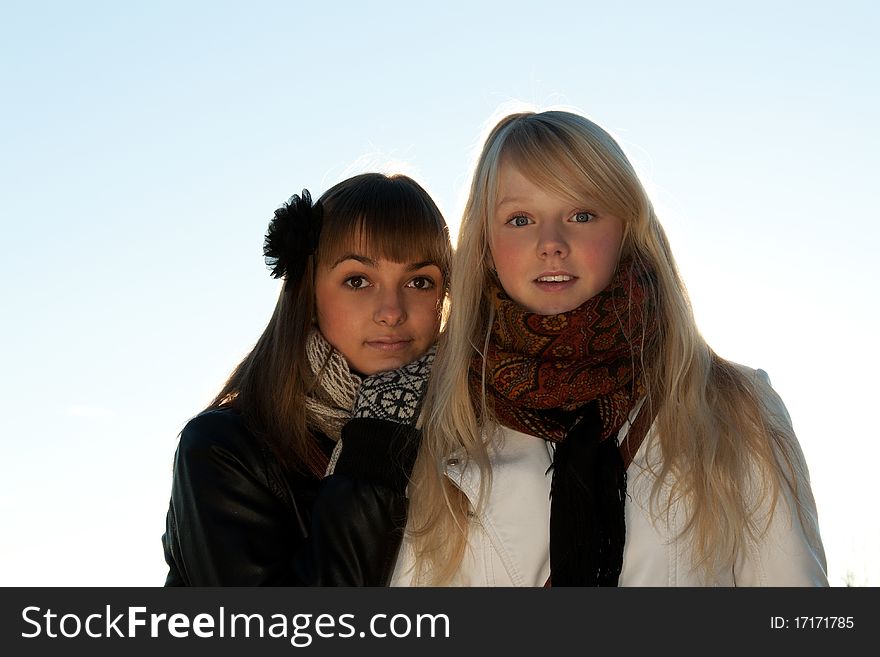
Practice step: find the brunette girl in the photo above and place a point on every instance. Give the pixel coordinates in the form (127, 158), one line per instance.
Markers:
(364, 272)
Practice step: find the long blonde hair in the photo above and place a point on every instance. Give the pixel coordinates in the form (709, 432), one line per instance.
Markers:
(717, 436)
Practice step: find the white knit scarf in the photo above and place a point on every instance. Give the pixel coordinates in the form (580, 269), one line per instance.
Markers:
(329, 403)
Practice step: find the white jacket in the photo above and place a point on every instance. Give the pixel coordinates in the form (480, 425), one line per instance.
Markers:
(509, 537)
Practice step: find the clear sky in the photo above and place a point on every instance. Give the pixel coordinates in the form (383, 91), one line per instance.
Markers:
(144, 147)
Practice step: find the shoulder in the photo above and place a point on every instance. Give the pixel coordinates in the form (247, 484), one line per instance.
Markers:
(215, 426)
(218, 434)
(217, 452)
(766, 394)
(752, 374)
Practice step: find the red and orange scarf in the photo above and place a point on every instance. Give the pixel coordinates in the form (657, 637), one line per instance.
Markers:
(573, 379)
(541, 370)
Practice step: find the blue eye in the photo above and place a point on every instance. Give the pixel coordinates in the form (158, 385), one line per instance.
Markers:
(519, 220)
(582, 217)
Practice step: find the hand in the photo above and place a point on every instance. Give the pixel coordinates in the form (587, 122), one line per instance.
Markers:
(395, 395)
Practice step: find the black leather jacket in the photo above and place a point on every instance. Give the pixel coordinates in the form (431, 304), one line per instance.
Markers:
(236, 518)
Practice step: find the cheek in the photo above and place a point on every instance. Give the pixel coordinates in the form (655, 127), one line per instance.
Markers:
(422, 318)
(496, 250)
(332, 314)
(321, 305)
(327, 327)
(506, 255)
(427, 315)
(607, 253)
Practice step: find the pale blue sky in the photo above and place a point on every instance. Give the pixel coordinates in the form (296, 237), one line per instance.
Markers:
(144, 147)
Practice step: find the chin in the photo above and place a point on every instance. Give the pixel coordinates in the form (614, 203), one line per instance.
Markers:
(385, 365)
(550, 309)
(557, 306)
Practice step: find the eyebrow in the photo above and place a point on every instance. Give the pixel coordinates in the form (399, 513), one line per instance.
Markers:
(524, 200)
(370, 262)
(354, 256)
(510, 199)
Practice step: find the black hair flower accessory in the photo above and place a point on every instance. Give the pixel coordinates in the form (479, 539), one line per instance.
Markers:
(293, 236)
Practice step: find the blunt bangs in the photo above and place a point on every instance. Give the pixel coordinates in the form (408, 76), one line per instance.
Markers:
(387, 217)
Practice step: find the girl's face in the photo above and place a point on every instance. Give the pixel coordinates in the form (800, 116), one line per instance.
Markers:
(551, 255)
(377, 313)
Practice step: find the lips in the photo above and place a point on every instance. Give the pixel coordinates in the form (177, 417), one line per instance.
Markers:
(389, 344)
(556, 278)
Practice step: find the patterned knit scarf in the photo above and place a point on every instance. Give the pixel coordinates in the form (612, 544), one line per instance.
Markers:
(542, 369)
(573, 379)
(329, 404)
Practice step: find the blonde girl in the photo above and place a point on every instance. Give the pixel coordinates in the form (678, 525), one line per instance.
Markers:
(578, 430)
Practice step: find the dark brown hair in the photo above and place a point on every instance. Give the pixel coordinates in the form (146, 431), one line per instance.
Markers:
(390, 217)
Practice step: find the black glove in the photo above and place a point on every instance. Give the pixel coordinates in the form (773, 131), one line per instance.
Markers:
(396, 395)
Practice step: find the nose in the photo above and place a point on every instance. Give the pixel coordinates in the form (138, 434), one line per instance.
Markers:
(390, 310)
(551, 241)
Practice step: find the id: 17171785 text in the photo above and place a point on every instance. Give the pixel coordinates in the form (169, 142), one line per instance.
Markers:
(812, 622)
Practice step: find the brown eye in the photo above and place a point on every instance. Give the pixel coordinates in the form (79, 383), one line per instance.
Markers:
(356, 282)
(421, 283)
